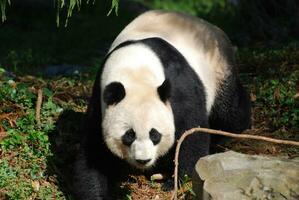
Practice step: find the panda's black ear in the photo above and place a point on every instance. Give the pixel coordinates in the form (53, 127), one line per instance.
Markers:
(164, 90)
(114, 93)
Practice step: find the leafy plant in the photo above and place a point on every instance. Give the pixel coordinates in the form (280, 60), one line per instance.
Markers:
(274, 85)
(26, 147)
(186, 183)
(276, 96)
(114, 6)
(3, 4)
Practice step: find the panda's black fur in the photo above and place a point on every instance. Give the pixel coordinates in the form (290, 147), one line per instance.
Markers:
(97, 170)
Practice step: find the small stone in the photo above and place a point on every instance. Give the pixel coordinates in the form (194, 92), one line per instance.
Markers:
(157, 177)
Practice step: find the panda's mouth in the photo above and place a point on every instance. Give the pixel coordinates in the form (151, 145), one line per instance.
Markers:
(143, 165)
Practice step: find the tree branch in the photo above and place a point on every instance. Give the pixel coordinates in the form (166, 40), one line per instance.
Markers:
(38, 106)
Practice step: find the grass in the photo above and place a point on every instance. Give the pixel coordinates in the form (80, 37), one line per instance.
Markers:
(30, 164)
(36, 160)
(25, 147)
(275, 75)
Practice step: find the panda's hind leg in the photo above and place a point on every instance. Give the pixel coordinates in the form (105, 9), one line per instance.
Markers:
(232, 109)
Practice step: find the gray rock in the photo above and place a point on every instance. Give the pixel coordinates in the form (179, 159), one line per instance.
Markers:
(236, 176)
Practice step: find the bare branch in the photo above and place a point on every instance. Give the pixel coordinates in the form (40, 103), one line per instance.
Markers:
(38, 106)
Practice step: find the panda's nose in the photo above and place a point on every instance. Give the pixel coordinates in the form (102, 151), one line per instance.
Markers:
(143, 162)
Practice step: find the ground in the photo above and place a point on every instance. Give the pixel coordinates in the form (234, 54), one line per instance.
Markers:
(36, 158)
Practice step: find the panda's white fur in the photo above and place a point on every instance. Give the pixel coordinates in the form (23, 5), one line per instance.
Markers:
(187, 34)
(141, 73)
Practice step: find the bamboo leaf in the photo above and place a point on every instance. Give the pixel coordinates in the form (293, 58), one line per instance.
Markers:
(114, 6)
(3, 9)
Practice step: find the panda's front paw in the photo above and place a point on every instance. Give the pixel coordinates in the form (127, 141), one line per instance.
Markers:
(168, 185)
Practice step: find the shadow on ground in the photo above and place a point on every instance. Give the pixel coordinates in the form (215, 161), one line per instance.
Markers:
(65, 143)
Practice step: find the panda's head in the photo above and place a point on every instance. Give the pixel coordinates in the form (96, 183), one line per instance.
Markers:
(138, 124)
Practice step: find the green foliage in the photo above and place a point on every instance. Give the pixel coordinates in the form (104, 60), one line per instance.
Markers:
(3, 4)
(275, 84)
(71, 4)
(26, 147)
(128, 197)
(186, 182)
(276, 96)
(114, 6)
(16, 93)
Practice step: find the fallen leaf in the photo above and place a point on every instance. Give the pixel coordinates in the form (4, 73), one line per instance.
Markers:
(252, 97)
(276, 94)
(3, 135)
(35, 185)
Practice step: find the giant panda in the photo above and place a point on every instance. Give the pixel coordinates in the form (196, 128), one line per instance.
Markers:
(166, 72)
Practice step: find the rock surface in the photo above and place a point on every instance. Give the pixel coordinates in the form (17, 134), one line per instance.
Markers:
(236, 176)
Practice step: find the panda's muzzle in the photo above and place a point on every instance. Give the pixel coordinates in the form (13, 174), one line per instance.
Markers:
(143, 162)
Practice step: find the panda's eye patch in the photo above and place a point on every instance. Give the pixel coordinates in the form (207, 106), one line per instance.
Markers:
(129, 137)
(155, 136)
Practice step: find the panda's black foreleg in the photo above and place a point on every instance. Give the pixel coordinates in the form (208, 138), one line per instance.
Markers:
(189, 109)
(195, 145)
(192, 149)
(89, 183)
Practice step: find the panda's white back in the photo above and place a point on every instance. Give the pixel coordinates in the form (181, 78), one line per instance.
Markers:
(204, 46)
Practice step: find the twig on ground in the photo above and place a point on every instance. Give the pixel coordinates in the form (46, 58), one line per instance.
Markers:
(38, 105)
(218, 132)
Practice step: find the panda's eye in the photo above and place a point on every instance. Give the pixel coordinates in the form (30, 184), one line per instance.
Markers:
(129, 137)
(155, 136)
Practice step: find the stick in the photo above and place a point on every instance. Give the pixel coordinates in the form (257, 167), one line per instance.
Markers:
(217, 132)
(38, 106)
